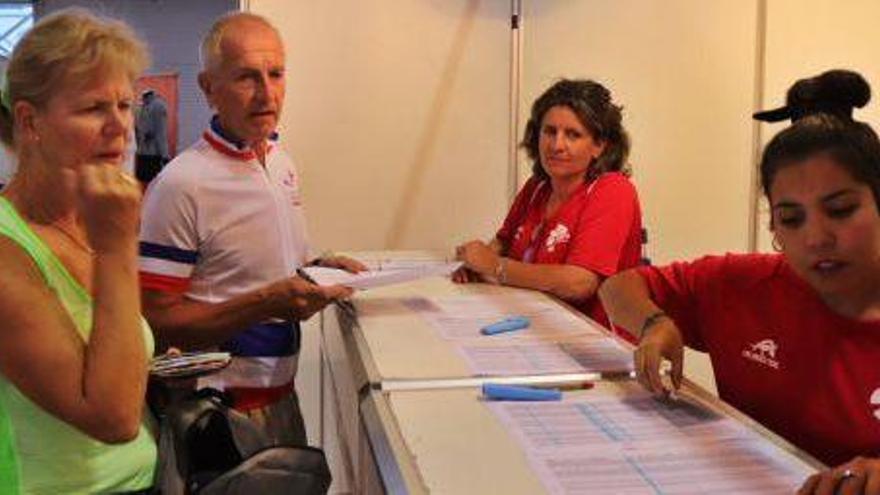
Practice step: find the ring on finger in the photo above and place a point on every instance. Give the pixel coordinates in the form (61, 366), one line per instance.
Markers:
(848, 473)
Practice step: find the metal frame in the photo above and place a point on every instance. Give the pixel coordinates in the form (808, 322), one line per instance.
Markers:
(757, 136)
(515, 94)
(397, 478)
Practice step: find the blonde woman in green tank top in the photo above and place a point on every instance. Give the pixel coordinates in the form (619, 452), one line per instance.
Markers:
(73, 346)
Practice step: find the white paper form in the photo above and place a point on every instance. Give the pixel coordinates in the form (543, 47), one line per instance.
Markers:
(377, 278)
(586, 354)
(598, 443)
(730, 467)
(462, 317)
(405, 263)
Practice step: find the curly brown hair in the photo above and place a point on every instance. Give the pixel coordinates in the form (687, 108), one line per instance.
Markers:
(592, 104)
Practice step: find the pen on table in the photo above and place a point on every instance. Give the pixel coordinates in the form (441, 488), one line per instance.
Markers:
(531, 391)
(503, 392)
(508, 324)
(565, 385)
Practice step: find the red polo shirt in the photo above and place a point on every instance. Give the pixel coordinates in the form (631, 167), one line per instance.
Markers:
(779, 353)
(597, 228)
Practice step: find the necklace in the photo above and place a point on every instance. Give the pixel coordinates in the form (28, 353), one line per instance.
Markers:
(72, 238)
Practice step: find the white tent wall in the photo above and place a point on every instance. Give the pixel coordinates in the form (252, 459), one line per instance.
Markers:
(397, 117)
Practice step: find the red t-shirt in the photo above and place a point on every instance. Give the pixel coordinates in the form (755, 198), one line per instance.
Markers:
(598, 228)
(779, 353)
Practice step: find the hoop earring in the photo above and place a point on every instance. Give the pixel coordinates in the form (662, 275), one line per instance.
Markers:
(777, 244)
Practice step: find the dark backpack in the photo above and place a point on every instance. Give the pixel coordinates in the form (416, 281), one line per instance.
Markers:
(209, 448)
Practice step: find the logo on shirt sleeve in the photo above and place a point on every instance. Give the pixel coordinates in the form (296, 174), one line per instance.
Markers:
(763, 352)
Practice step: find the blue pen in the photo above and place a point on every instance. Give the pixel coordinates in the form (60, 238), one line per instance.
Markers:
(506, 325)
(497, 391)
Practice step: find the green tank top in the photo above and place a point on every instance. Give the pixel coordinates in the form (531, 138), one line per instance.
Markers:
(8, 459)
(44, 454)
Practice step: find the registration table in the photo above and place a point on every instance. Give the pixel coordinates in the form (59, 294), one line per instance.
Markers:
(402, 370)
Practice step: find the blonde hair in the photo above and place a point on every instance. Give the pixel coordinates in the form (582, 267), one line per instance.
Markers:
(209, 50)
(68, 45)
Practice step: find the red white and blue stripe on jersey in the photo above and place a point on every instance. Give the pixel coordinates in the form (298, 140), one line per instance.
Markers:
(266, 339)
(166, 268)
(266, 352)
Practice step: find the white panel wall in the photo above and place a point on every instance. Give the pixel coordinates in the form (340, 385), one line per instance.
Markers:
(398, 118)
(806, 38)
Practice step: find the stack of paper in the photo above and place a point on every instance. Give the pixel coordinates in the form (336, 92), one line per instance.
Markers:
(376, 278)
(188, 365)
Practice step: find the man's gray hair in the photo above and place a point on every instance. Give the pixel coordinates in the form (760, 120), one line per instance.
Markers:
(209, 51)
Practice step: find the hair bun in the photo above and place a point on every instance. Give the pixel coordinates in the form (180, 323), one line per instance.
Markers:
(836, 92)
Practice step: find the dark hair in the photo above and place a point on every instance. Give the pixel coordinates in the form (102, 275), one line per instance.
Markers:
(836, 92)
(851, 144)
(592, 104)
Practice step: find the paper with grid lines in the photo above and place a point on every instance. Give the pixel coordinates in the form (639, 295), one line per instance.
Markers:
(602, 444)
(461, 317)
(585, 354)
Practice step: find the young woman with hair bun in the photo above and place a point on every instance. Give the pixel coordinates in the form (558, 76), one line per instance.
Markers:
(794, 337)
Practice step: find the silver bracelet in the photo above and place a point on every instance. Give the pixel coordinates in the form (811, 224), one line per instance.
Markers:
(501, 270)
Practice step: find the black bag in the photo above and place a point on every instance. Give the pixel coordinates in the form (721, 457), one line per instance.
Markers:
(209, 448)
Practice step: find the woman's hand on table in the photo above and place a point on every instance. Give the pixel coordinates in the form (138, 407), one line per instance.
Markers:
(662, 341)
(478, 257)
(465, 276)
(860, 476)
